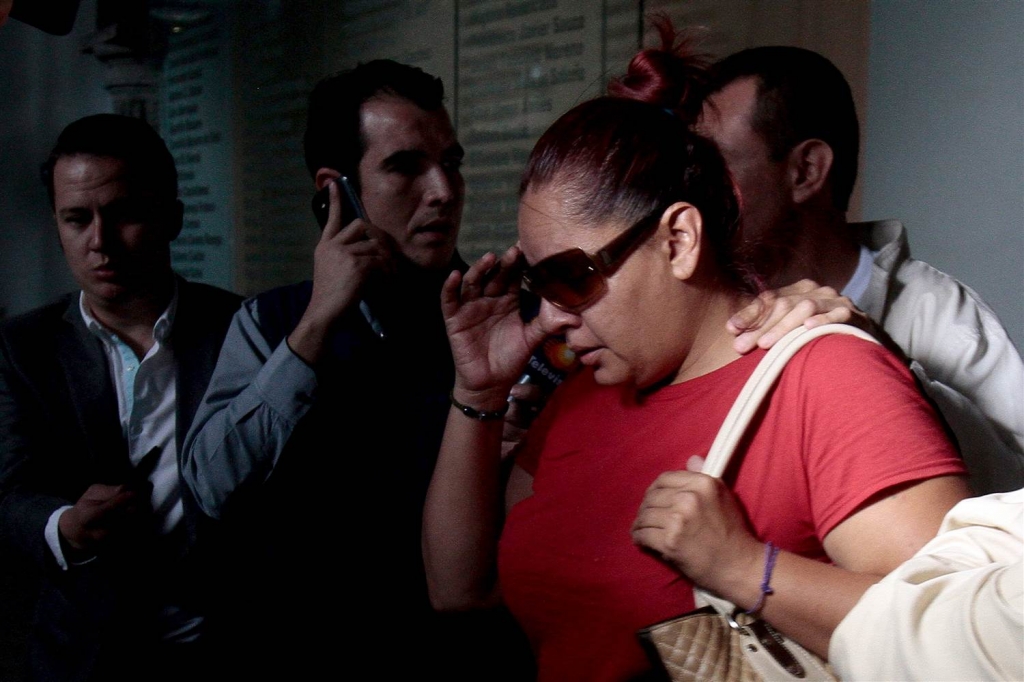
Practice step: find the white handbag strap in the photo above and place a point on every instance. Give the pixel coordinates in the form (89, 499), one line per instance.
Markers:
(758, 386)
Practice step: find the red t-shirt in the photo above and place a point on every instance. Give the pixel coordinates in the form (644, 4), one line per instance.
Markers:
(845, 422)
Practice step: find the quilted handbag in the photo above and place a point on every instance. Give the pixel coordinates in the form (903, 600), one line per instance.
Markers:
(719, 641)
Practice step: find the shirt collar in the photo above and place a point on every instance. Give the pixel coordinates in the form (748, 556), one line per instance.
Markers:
(161, 328)
(858, 284)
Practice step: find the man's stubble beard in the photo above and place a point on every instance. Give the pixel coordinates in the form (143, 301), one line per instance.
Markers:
(768, 257)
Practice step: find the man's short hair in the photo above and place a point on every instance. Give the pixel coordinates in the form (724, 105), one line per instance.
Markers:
(801, 95)
(333, 136)
(128, 139)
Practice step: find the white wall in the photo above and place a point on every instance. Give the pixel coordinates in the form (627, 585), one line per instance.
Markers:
(45, 83)
(944, 139)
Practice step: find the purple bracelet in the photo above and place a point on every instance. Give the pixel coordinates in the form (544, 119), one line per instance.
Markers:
(771, 553)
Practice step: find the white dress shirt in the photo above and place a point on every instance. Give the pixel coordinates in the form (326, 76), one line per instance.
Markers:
(146, 404)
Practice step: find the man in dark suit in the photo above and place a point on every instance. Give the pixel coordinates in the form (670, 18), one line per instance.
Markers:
(97, 391)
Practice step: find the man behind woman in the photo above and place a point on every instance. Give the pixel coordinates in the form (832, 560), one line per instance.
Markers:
(629, 231)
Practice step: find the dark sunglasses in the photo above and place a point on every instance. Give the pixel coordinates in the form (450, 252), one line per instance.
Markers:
(573, 280)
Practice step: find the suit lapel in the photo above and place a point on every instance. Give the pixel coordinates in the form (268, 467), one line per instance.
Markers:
(196, 356)
(92, 395)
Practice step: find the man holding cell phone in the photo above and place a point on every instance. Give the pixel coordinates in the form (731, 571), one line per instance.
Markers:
(318, 435)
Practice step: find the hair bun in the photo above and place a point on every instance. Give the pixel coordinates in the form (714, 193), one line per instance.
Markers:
(671, 76)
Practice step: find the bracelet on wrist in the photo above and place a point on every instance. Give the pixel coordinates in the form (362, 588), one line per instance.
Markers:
(480, 415)
(771, 553)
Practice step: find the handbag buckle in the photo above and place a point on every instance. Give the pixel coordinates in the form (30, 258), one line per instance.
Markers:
(730, 618)
(771, 640)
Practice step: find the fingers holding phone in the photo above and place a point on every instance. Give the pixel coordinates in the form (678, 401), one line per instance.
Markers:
(107, 514)
(347, 224)
(346, 258)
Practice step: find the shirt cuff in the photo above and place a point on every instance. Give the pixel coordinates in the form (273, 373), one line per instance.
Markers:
(287, 383)
(52, 535)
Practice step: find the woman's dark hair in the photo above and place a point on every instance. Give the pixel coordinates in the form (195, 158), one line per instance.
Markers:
(634, 151)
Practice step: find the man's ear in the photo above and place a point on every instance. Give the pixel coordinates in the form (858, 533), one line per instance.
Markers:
(810, 166)
(177, 219)
(324, 176)
(684, 225)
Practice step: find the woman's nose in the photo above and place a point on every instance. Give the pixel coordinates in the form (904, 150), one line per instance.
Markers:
(554, 320)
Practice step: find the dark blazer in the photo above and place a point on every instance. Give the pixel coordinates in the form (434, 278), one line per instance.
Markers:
(59, 434)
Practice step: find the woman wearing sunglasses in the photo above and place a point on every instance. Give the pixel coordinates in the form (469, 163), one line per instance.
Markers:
(628, 232)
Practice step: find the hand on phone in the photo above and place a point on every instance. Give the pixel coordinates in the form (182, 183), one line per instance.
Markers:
(104, 513)
(346, 258)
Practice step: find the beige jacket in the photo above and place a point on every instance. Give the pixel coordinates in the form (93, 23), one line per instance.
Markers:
(961, 353)
(952, 612)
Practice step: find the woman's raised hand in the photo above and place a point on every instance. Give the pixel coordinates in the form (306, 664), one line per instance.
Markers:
(489, 340)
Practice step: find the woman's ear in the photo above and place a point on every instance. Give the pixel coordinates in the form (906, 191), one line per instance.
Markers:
(684, 225)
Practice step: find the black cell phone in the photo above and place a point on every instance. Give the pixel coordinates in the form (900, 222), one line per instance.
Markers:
(351, 206)
(140, 474)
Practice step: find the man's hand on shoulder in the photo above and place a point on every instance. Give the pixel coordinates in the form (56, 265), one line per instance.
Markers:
(344, 260)
(773, 314)
(103, 515)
